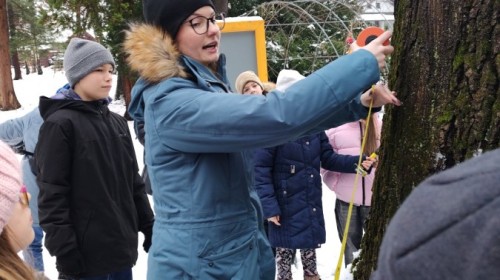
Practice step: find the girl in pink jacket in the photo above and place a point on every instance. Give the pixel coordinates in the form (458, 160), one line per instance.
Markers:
(346, 139)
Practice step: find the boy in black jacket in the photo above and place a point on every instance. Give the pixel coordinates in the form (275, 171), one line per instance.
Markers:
(92, 201)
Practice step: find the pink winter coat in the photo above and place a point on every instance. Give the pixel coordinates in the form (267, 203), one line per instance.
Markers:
(346, 140)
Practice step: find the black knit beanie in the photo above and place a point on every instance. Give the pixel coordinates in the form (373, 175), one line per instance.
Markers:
(170, 14)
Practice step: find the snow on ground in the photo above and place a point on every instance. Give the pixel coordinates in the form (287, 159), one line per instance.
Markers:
(31, 87)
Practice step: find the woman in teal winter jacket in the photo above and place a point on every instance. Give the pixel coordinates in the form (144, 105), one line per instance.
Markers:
(199, 138)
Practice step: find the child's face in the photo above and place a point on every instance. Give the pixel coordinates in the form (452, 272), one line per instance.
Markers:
(20, 227)
(96, 85)
(252, 88)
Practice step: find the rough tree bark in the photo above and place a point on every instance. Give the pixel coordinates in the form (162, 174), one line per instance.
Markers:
(8, 99)
(446, 71)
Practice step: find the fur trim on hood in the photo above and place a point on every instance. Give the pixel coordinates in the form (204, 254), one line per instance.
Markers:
(152, 53)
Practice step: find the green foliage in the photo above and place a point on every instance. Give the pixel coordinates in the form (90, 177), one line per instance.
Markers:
(240, 7)
(27, 30)
(75, 15)
(304, 35)
(120, 14)
(107, 19)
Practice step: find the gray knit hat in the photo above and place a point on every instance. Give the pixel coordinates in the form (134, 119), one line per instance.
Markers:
(82, 57)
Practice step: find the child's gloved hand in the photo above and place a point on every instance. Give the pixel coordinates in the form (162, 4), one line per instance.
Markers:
(148, 234)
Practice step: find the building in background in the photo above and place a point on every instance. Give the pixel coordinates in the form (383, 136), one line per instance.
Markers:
(378, 13)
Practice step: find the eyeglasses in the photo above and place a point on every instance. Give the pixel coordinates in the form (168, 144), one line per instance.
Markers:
(24, 199)
(200, 24)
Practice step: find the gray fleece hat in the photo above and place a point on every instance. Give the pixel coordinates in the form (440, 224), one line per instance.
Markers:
(448, 227)
(82, 57)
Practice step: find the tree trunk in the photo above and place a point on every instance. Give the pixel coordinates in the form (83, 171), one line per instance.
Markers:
(446, 71)
(124, 87)
(39, 69)
(12, 19)
(17, 66)
(33, 65)
(8, 99)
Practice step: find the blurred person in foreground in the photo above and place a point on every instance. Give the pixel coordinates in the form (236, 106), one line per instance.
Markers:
(16, 231)
(447, 228)
(23, 132)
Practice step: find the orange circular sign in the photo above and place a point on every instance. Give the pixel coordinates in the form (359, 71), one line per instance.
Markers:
(369, 34)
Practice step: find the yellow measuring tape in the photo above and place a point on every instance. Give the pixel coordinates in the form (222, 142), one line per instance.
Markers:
(349, 212)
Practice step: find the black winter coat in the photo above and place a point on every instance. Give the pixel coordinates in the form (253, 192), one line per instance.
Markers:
(92, 201)
(289, 185)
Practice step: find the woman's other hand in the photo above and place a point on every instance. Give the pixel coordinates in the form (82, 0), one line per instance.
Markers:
(381, 95)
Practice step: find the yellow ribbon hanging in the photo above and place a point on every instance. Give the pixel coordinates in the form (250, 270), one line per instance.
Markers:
(349, 212)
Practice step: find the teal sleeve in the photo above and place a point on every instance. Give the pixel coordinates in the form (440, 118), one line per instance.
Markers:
(191, 120)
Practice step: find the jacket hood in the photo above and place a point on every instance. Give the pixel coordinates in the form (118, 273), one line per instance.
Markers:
(136, 106)
(152, 53)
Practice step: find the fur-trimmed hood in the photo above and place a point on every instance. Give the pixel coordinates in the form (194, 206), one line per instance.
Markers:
(152, 53)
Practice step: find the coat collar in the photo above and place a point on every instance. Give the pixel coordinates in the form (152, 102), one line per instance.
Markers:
(152, 53)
